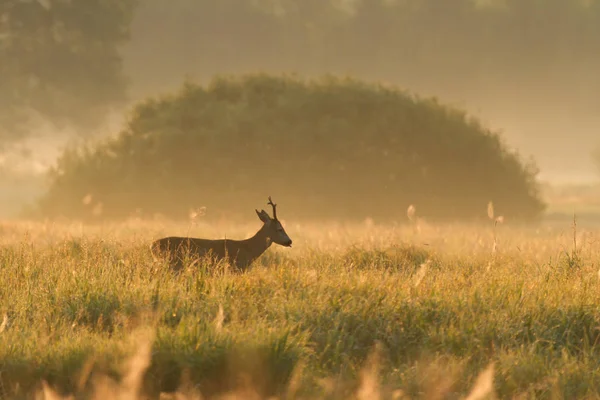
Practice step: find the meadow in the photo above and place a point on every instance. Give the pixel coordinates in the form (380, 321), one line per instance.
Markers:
(359, 311)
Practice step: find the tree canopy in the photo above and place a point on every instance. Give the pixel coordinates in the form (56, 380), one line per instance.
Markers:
(330, 148)
(59, 60)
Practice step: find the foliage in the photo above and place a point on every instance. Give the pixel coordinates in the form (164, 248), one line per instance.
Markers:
(72, 296)
(332, 148)
(60, 60)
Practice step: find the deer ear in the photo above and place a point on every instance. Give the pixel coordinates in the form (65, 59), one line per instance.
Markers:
(264, 217)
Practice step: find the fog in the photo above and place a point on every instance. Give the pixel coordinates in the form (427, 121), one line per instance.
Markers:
(542, 91)
(527, 69)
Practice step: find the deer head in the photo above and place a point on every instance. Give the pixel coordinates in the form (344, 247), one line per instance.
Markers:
(274, 228)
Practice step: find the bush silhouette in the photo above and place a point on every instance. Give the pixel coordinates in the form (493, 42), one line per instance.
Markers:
(330, 148)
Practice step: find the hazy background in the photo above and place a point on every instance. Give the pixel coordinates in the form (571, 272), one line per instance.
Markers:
(528, 68)
(534, 76)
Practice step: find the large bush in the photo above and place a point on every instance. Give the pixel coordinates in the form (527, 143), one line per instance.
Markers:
(332, 148)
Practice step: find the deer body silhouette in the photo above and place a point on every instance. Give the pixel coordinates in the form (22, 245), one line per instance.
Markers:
(239, 253)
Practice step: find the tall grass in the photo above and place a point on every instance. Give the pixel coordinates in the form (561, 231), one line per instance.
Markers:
(352, 311)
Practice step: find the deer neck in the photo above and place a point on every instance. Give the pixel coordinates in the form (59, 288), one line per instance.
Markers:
(259, 243)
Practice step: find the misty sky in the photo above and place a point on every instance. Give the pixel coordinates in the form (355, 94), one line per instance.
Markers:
(548, 106)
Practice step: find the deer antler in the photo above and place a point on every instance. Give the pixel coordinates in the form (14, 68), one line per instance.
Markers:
(274, 207)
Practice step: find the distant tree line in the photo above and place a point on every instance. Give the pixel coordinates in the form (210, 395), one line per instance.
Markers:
(326, 149)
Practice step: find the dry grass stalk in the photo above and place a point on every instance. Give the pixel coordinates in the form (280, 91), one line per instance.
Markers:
(484, 385)
(369, 388)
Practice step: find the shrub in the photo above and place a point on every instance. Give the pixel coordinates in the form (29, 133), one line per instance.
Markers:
(328, 148)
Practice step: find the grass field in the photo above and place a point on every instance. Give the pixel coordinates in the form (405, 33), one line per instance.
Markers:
(358, 311)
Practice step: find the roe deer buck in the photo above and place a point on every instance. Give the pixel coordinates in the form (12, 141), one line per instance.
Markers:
(240, 253)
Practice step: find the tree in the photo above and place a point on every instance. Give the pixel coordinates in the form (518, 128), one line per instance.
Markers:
(59, 61)
(330, 149)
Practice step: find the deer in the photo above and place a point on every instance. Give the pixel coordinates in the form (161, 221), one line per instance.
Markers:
(239, 253)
